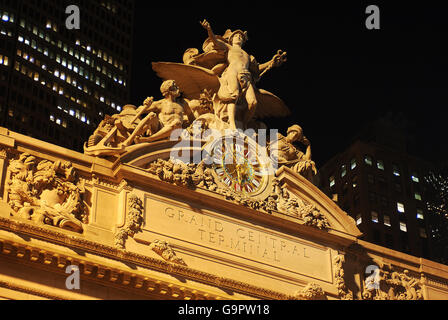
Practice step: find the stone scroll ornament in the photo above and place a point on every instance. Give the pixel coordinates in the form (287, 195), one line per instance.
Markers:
(163, 249)
(46, 192)
(311, 292)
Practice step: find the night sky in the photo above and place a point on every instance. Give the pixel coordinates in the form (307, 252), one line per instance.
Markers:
(339, 75)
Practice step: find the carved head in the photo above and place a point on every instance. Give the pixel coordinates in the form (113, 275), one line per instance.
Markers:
(295, 133)
(170, 88)
(237, 37)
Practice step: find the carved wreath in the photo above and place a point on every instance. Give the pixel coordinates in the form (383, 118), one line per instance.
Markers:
(45, 192)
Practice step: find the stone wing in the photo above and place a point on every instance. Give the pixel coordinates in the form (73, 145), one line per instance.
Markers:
(270, 106)
(192, 80)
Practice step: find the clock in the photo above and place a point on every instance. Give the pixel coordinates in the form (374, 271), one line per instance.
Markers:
(238, 164)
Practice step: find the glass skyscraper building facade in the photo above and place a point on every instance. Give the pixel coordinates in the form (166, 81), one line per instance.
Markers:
(56, 83)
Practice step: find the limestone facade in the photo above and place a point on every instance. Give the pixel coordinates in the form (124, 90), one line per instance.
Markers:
(136, 233)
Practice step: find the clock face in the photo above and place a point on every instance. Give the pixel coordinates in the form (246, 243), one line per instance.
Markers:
(237, 165)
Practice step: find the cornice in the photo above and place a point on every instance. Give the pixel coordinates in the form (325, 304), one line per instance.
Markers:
(125, 277)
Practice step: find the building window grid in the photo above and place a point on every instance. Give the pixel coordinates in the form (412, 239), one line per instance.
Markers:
(35, 76)
(118, 79)
(61, 75)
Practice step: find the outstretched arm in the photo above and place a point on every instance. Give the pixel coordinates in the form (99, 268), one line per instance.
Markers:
(276, 61)
(206, 25)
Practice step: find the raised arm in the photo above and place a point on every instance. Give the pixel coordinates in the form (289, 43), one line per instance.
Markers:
(206, 25)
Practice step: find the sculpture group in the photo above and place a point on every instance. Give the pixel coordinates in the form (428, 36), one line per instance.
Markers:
(214, 89)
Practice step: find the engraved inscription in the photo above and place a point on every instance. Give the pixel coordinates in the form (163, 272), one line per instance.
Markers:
(237, 238)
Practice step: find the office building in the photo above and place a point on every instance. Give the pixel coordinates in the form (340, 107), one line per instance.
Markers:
(57, 84)
(382, 187)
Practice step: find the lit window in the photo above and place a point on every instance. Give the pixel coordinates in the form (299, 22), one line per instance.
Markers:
(380, 165)
(374, 216)
(58, 121)
(332, 180)
(344, 171)
(415, 178)
(5, 17)
(417, 196)
(51, 117)
(396, 171)
(368, 160)
(420, 214)
(4, 60)
(403, 226)
(353, 164)
(387, 221)
(118, 108)
(358, 219)
(400, 207)
(20, 38)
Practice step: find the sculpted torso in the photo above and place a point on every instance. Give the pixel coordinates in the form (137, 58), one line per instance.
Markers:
(238, 59)
(170, 113)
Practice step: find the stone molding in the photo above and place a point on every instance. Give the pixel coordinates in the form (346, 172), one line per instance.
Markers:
(112, 274)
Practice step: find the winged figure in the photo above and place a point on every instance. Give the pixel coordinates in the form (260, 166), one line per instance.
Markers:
(230, 75)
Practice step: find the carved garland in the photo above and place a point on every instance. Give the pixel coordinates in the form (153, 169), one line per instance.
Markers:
(199, 176)
(134, 221)
(46, 192)
(343, 291)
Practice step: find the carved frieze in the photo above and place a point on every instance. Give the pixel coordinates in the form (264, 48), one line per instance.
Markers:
(46, 192)
(200, 176)
(387, 284)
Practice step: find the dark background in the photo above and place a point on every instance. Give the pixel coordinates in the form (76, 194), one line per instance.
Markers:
(339, 76)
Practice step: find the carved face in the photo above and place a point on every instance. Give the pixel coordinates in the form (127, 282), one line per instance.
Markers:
(295, 135)
(170, 88)
(238, 40)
